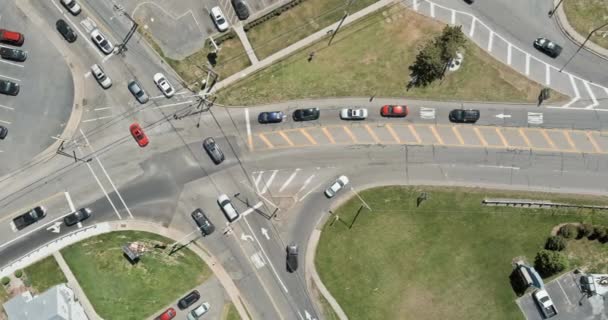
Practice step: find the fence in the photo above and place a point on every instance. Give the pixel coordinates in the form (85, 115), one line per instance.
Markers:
(524, 203)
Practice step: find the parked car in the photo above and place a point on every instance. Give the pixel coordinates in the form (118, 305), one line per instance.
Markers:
(3, 132)
(71, 6)
(138, 92)
(100, 40)
(548, 47)
(188, 300)
(203, 223)
(336, 186)
(306, 114)
(167, 315)
(101, 77)
(271, 117)
(464, 116)
(13, 54)
(78, 216)
(139, 135)
(213, 150)
(227, 207)
(66, 31)
(165, 87)
(32, 216)
(545, 303)
(199, 311)
(394, 111)
(8, 87)
(219, 19)
(353, 114)
(292, 257)
(241, 8)
(11, 37)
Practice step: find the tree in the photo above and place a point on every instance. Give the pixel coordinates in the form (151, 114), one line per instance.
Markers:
(568, 231)
(550, 262)
(555, 243)
(428, 66)
(450, 41)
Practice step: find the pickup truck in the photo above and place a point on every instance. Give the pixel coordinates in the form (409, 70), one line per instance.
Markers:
(29, 217)
(545, 303)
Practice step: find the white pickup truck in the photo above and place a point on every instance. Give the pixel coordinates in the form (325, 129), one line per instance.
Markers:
(545, 303)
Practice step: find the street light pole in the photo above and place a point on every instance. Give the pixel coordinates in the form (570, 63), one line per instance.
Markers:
(552, 11)
(583, 44)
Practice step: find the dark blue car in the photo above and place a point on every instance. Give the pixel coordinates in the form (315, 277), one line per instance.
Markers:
(271, 117)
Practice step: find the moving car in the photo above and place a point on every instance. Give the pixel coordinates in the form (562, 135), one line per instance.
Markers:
(199, 311)
(165, 87)
(271, 117)
(100, 40)
(336, 186)
(78, 216)
(394, 111)
(229, 210)
(213, 150)
(8, 87)
(167, 315)
(353, 114)
(11, 37)
(13, 54)
(3, 132)
(29, 217)
(218, 18)
(203, 223)
(464, 116)
(101, 77)
(306, 114)
(138, 91)
(66, 31)
(548, 47)
(545, 303)
(139, 135)
(241, 9)
(72, 6)
(292, 257)
(188, 300)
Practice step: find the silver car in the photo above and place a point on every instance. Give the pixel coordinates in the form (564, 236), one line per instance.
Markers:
(138, 91)
(101, 76)
(100, 40)
(199, 311)
(336, 186)
(353, 114)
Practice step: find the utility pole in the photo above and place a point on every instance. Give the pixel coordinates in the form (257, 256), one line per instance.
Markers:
(346, 13)
(73, 155)
(583, 44)
(552, 11)
(122, 47)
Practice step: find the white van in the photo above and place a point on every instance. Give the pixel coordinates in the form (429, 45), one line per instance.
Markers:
(229, 210)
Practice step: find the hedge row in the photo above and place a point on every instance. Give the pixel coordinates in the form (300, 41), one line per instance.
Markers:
(584, 230)
(271, 14)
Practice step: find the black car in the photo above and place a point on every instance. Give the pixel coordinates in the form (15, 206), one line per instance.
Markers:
(78, 216)
(188, 300)
(203, 223)
(241, 9)
(3, 132)
(271, 117)
(292, 257)
(547, 46)
(306, 114)
(213, 150)
(464, 116)
(66, 31)
(9, 87)
(13, 54)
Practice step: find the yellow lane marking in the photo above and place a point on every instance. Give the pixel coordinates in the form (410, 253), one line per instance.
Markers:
(329, 136)
(593, 142)
(549, 141)
(457, 134)
(569, 139)
(436, 134)
(414, 133)
(282, 134)
(480, 137)
(372, 133)
(502, 138)
(393, 133)
(308, 136)
(352, 136)
(266, 141)
(525, 137)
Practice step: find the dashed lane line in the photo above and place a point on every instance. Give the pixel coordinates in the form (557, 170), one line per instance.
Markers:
(95, 119)
(5, 107)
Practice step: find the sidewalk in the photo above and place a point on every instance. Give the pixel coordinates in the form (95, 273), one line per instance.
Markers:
(73, 284)
(238, 28)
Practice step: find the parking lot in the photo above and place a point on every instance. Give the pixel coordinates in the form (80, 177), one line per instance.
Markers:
(571, 303)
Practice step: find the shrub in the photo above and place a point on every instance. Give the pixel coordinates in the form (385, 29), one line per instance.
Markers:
(604, 239)
(555, 243)
(18, 273)
(598, 233)
(549, 262)
(5, 280)
(585, 230)
(568, 231)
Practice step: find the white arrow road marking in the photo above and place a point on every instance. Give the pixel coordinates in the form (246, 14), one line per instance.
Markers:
(246, 237)
(308, 316)
(502, 116)
(265, 233)
(55, 227)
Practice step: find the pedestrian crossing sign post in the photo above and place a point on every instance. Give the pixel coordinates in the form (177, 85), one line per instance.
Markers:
(423, 196)
(545, 94)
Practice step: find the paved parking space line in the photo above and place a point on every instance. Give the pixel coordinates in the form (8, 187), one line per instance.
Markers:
(509, 49)
(5, 107)
(308, 136)
(436, 134)
(490, 42)
(547, 138)
(480, 137)
(104, 108)
(593, 142)
(350, 134)
(472, 27)
(527, 64)
(414, 133)
(372, 133)
(457, 134)
(5, 122)
(547, 74)
(525, 137)
(502, 137)
(393, 133)
(12, 63)
(329, 136)
(266, 141)
(10, 78)
(57, 6)
(569, 139)
(286, 138)
(173, 104)
(594, 103)
(564, 292)
(95, 119)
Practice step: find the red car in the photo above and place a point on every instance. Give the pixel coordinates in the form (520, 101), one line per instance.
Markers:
(394, 111)
(139, 135)
(11, 37)
(167, 315)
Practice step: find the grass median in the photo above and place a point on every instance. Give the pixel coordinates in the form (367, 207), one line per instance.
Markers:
(450, 258)
(586, 15)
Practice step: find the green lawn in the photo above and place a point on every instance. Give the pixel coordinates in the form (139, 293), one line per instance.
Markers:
(588, 255)
(299, 22)
(372, 57)
(119, 290)
(586, 15)
(44, 274)
(448, 259)
(231, 313)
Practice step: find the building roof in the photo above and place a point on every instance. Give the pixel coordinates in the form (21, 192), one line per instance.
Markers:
(57, 303)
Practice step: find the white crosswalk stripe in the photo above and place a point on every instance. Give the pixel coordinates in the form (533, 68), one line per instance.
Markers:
(268, 183)
(288, 181)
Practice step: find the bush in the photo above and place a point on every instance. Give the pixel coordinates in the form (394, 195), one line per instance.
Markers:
(549, 262)
(598, 233)
(556, 243)
(5, 280)
(585, 230)
(568, 231)
(604, 239)
(18, 273)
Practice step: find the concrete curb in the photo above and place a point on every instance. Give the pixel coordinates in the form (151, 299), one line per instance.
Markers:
(574, 36)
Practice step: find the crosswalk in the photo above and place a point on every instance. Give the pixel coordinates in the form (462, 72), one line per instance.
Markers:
(295, 184)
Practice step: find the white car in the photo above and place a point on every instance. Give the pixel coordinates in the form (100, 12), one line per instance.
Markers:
(219, 19)
(72, 6)
(336, 186)
(101, 41)
(101, 76)
(199, 311)
(165, 87)
(229, 210)
(353, 114)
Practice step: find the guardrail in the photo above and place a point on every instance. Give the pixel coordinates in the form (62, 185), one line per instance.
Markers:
(525, 203)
